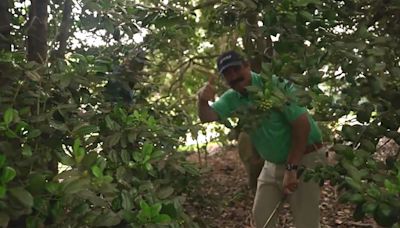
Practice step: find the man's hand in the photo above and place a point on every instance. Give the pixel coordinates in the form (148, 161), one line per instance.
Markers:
(290, 181)
(207, 92)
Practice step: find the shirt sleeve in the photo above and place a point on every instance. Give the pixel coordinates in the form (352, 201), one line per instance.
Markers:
(224, 106)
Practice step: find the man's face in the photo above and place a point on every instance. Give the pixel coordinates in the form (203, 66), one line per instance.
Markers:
(238, 77)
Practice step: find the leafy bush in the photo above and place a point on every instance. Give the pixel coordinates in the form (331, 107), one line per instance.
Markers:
(71, 158)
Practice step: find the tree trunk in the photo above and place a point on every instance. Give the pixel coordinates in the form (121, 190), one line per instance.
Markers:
(37, 31)
(65, 26)
(5, 42)
(256, 44)
(5, 26)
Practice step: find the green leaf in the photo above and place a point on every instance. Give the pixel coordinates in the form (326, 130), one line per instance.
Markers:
(165, 192)
(8, 116)
(144, 205)
(162, 218)
(8, 174)
(353, 184)
(108, 26)
(107, 179)
(85, 130)
(66, 160)
(111, 124)
(77, 144)
(368, 145)
(97, 172)
(369, 207)
(145, 211)
(52, 187)
(27, 151)
(22, 196)
(36, 183)
(79, 152)
(125, 156)
(113, 140)
(33, 75)
(11, 134)
(34, 133)
(129, 216)
(147, 148)
(76, 186)
(353, 172)
(171, 209)
(109, 219)
(148, 166)
(132, 136)
(89, 159)
(3, 191)
(81, 209)
(377, 51)
(356, 198)
(2, 160)
(102, 163)
(93, 6)
(385, 215)
(126, 200)
(155, 209)
(306, 2)
(374, 192)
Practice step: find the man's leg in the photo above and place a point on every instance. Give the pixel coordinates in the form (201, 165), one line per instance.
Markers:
(268, 194)
(250, 159)
(304, 202)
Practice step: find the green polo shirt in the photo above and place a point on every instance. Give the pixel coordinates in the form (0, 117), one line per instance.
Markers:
(273, 138)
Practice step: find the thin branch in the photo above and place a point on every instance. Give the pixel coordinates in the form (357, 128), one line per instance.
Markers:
(205, 4)
(179, 80)
(202, 70)
(65, 26)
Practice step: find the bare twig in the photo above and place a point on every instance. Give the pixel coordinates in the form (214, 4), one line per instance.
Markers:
(202, 70)
(205, 4)
(65, 26)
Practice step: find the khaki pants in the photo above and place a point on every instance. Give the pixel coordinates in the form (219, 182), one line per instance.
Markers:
(304, 202)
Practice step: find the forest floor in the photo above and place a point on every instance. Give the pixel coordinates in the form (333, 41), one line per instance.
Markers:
(224, 200)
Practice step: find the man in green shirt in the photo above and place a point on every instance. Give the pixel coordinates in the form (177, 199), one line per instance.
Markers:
(285, 139)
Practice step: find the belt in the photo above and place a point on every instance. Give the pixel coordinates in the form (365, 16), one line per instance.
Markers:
(313, 147)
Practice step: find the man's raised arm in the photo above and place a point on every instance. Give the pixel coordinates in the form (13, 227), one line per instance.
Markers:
(206, 94)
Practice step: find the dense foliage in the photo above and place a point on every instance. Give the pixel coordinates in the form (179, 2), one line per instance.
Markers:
(81, 142)
(114, 114)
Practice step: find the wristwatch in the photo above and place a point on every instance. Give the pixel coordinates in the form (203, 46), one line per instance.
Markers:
(290, 167)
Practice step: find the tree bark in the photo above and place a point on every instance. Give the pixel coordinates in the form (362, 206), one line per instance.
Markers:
(256, 44)
(37, 31)
(65, 26)
(5, 26)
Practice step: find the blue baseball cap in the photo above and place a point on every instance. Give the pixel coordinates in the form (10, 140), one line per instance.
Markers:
(228, 59)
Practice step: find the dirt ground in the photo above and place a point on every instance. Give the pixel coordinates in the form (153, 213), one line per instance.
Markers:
(224, 200)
